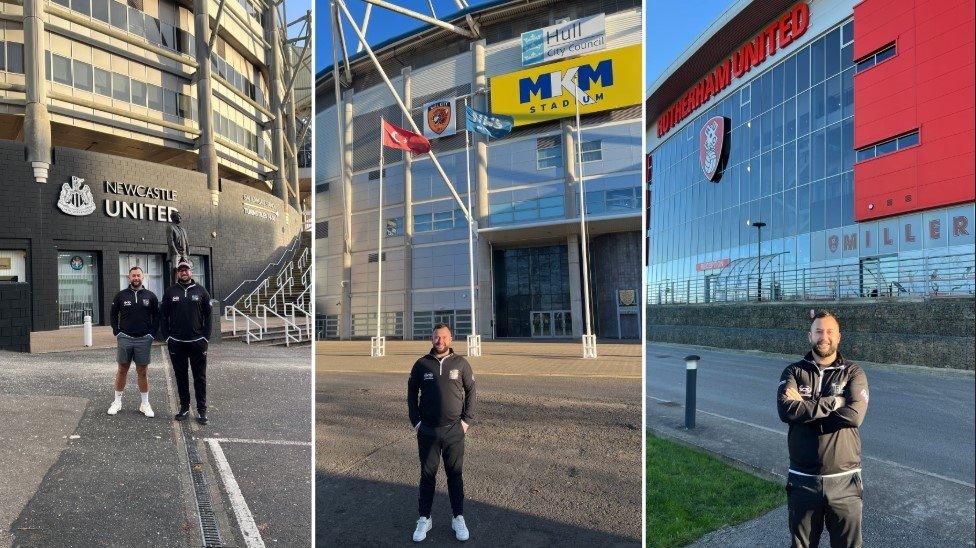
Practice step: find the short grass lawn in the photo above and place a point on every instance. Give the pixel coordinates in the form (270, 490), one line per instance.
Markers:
(690, 493)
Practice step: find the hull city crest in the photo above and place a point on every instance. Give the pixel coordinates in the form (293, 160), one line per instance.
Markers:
(76, 199)
(711, 145)
(439, 118)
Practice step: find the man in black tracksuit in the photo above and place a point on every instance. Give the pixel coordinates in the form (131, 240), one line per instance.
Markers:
(185, 327)
(440, 399)
(824, 398)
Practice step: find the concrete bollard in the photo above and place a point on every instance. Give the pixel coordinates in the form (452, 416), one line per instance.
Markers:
(88, 331)
(691, 381)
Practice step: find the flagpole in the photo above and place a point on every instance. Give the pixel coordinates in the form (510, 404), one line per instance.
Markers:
(474, 341)
(379, 347)
(589, 341)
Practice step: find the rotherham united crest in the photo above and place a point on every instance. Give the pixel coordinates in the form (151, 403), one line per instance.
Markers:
(77, 198)
(439, 118)
(711, 141)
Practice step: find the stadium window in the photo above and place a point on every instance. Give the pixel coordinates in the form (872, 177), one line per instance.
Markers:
(885, 53)
(82, 75)
(592, 150)
(100, 10)
(154, 97)
(103, 82)
(548, 152)
(61, 70)
(118, 16)
(120, 87)
(888, 147)
(15, 57)
(81, 6)
(138, 93)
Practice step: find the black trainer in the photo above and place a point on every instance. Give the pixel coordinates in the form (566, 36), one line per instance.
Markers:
(202, 418)
(183, 414)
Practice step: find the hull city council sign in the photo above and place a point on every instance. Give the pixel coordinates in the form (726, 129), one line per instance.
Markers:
(577, 37)
(597, 82)
(778, 35)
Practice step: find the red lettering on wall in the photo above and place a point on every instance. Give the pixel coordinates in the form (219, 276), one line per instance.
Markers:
(753, 53)
(959, 225)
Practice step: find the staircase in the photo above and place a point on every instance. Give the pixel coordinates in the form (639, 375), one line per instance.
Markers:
(277, 308)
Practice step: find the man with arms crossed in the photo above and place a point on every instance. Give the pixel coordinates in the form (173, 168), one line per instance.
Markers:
(135, 320)
(186, 329)
(440, 399)
(824, 398)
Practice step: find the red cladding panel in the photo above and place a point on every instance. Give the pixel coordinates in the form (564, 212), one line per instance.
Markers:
(929, 85)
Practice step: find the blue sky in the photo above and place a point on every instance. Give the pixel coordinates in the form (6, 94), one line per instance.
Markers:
(293, 10)
(383, 24)
(671, 27)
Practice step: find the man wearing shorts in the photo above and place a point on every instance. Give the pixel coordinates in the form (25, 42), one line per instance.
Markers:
(135, 320)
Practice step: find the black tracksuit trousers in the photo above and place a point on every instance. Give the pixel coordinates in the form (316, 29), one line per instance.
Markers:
(434, 443)
(834, 501)
(192, 355)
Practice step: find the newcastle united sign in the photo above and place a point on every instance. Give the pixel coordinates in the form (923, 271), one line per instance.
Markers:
(76, 199)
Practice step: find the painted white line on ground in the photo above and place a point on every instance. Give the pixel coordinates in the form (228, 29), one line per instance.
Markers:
(260, 442)
(883, 461)
(491, 374)
(245, 519)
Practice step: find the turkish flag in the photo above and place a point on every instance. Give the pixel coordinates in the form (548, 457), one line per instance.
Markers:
(397, 137)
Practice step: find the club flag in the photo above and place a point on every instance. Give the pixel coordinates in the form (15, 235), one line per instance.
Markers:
(397, 137)
(491, 125)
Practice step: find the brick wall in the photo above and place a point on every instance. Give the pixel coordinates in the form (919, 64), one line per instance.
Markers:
(238, 246)
(934, 333)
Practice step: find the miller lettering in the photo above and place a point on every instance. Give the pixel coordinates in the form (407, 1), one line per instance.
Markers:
(909, 237)
(959, 225)
(850, 242)
(935, 226)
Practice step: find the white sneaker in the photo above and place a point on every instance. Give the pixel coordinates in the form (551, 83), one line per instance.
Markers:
(460, 528)
(423, 525)
(115, 407)
(146, 410)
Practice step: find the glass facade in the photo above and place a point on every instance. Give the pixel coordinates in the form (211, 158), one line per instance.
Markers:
(527, 281)
(791, 166)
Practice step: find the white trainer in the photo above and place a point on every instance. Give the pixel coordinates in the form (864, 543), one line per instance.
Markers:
(146, 410)
(423, 525)
(460, 528)
(115, 407)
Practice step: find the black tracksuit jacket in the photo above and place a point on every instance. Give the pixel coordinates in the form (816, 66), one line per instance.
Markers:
(185, 312)
(823, 438)
(135, 312)
(445, 388)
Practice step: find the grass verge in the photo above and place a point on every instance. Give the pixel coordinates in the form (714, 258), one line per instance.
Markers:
(690, 493)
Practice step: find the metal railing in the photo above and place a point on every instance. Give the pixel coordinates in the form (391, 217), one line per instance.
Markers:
(262, 314)
(871, 278)
(248, 335)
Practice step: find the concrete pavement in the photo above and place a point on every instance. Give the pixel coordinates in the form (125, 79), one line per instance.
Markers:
(75, 476)
(918, 440)
(553, 457)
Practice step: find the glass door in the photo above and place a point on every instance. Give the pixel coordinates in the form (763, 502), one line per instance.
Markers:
(77, 288)
(551, 323)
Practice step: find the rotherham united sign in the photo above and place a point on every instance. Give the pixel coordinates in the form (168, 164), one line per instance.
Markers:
(711, 143)
(781, 33)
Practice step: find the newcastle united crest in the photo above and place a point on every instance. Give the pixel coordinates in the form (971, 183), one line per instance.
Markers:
(711, 143)
(76, 199)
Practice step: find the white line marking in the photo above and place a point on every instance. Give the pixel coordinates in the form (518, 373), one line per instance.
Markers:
(888, 462)
(245, 519)
(261, 442)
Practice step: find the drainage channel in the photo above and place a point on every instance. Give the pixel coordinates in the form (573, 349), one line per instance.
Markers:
(209, 529)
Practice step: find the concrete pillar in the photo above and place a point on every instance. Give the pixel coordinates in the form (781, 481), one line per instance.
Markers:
(207, 155)
(407, 218)
(570, 173)
(37, 121)
(272, 33)
(345, 319)
(486, 312)
(575, 284)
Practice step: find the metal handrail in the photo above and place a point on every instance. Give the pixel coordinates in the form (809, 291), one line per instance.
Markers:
(234, 312)
(887, 278)
(288, 324)
(296, 241)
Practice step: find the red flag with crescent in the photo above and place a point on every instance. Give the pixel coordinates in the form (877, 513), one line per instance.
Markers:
(397, 137)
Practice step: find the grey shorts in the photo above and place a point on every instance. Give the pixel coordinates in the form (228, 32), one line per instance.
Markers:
(132, 349)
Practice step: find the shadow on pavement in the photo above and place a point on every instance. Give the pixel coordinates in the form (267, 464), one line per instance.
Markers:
(357, 512)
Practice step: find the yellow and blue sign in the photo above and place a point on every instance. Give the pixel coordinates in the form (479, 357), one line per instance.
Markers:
(600, 81)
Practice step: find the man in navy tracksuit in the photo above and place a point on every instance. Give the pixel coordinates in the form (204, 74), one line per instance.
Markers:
(440, 399)
(824, 398)
(135, 320)
(185, 327)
